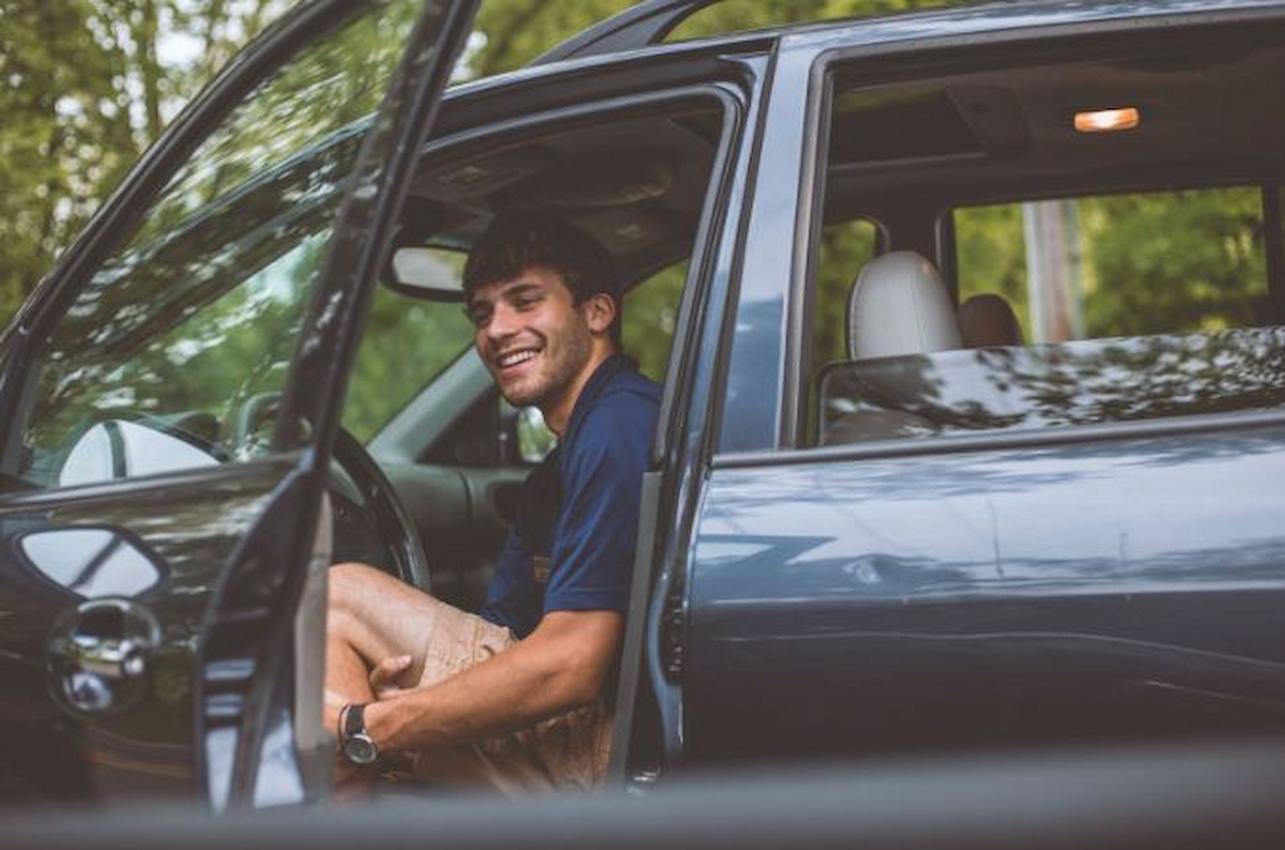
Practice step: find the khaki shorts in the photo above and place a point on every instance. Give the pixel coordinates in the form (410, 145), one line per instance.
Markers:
(567, 752)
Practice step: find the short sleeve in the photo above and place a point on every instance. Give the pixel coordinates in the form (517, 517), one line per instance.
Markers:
(593, 546)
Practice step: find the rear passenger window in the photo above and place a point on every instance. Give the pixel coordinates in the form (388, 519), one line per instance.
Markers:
(650, 316)
(845, 246)
(1126, 265)
(1103, 291)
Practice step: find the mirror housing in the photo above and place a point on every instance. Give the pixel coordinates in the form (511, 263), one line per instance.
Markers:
(433, 274)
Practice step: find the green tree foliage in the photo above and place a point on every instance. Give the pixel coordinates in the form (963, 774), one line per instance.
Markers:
(194, 319)
(510, 33)
(66, 136)
(86, 90)
(1152, 263)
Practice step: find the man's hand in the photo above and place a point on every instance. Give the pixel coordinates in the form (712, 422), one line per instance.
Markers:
(383, 679)
(559, 666)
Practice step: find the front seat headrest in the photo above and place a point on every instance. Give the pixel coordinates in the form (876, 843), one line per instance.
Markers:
(988, 321)
(899, 305)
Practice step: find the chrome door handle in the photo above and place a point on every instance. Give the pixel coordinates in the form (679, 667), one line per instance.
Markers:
(99, 652)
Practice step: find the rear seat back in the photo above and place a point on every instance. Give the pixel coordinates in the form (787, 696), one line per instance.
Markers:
(899, 305)
(987, 321)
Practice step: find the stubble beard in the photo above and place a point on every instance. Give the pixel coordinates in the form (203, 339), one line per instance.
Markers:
(564, 367)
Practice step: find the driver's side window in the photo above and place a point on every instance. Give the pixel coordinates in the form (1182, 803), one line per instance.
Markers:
(174, 352)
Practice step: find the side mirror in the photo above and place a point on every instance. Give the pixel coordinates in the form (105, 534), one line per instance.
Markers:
(91, 562)
(120, 448)
(434, 274)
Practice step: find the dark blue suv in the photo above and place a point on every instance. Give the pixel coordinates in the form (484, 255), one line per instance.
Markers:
(971, 325)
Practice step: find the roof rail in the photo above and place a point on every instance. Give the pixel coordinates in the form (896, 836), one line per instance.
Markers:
(638, 26)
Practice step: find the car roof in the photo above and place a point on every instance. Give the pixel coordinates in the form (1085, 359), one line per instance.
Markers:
(648, 23)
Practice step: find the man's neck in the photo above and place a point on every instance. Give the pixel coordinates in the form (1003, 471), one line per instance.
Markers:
(557, 415)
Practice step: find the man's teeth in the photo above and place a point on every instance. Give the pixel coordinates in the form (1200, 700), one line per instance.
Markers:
(516, 358)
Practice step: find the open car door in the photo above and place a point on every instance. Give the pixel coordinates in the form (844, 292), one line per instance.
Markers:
(169, 401)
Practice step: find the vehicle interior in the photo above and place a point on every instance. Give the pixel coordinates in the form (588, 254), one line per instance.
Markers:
(453, 451)
(1085, 238)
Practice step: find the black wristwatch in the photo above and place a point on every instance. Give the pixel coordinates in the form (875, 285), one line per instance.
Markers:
(354, 741)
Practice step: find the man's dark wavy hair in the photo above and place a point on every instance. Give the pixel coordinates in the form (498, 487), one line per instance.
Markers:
(517, 241)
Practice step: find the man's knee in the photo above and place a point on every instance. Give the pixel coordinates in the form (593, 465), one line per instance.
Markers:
(348, 584)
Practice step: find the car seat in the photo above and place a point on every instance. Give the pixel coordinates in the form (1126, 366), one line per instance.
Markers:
(988, 321)
(898, 310)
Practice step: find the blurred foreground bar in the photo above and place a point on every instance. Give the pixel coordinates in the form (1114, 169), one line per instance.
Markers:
(1213, 795)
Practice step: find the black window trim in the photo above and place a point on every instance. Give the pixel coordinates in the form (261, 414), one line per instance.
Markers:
(894, 61)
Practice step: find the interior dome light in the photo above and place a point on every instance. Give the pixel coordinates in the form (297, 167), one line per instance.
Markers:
(1107, 120)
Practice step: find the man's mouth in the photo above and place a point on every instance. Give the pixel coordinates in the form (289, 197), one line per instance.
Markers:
(515, 358)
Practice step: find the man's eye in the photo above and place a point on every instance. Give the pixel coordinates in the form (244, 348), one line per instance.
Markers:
(527, 302)
(478, 316)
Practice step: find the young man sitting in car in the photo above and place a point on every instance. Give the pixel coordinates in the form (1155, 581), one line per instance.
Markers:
(513, 698)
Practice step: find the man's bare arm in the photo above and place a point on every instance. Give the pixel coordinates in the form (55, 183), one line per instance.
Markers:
(561, 665)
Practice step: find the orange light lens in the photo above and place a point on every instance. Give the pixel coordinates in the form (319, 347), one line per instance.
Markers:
(1108, 120)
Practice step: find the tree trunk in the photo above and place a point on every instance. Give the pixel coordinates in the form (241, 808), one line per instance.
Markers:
(149, 69)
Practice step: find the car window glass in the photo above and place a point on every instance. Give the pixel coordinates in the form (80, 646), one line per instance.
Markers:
(650, 314)
(844, 246)
(190, 324)
(1194, 261)
(1107, 301)
(406, 343)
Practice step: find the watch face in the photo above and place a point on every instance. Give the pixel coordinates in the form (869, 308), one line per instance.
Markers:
(360, 750)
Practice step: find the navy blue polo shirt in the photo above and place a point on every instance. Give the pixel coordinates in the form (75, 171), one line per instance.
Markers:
(572, 548)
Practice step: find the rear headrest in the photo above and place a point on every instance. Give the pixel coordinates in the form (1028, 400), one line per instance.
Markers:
(987, 321)
(899, 306)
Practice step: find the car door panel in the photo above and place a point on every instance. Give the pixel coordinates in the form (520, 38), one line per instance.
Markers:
(217, 641)
(192, 524)
(1069, 593)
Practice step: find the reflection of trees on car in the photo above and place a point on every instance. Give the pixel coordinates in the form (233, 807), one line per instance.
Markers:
(196, 316)
(1115, 380)
(72, 127)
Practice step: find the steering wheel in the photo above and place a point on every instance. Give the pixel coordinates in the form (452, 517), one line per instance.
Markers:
(380, 509)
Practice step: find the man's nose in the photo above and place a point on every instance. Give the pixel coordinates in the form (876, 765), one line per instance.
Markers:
(503, 323)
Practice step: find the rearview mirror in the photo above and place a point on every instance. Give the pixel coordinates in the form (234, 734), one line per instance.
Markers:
(434, 274)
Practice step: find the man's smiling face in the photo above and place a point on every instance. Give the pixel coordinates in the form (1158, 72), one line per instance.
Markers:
(532, 336)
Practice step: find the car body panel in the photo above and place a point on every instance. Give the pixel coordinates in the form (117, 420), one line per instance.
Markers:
(1068, 593)
(192, 524)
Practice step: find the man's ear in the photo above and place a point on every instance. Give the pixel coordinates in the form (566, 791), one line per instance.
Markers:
(599, 311)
